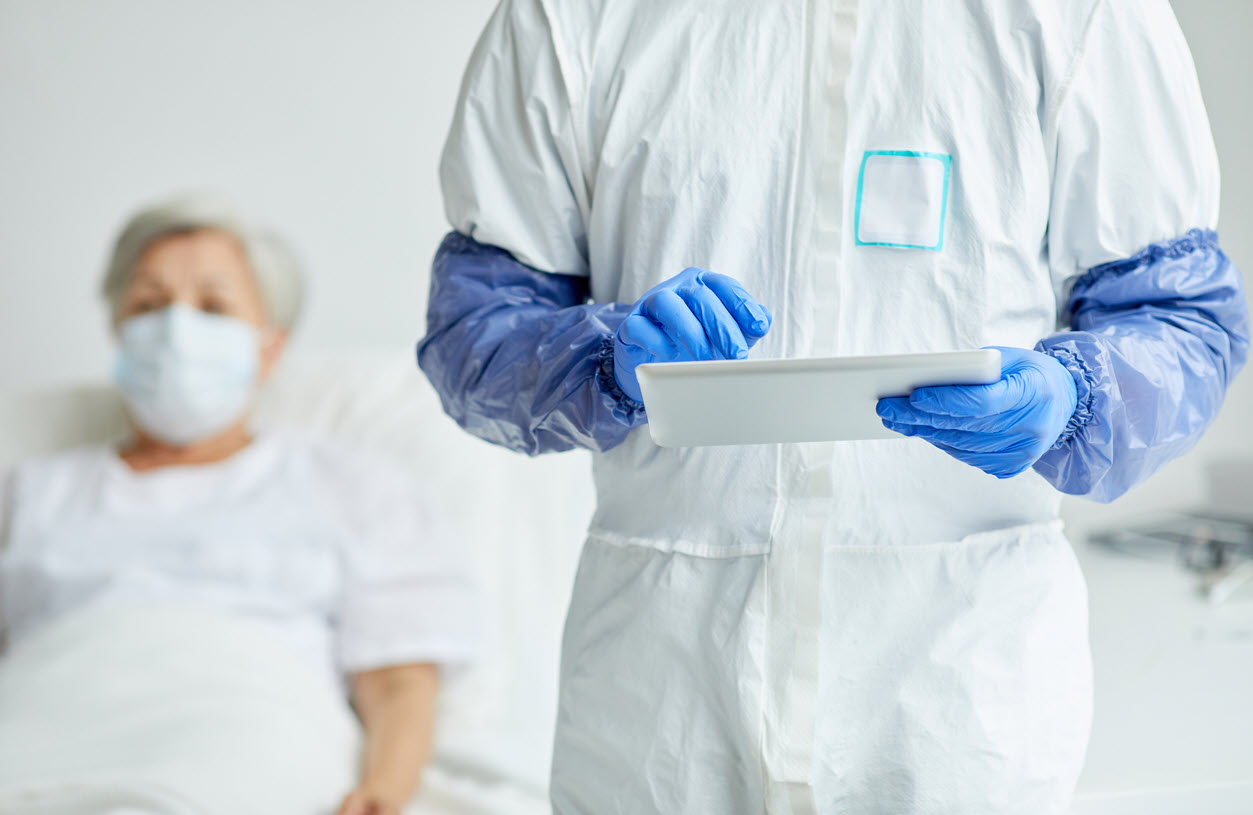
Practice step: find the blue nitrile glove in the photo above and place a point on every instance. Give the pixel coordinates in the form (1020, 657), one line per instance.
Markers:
(695, 315)
(1000, 428)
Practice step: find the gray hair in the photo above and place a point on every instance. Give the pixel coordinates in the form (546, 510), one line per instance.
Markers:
(273, 263)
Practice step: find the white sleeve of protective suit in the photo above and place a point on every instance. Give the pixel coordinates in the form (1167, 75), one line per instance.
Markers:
(1135, 162)
(511, 172)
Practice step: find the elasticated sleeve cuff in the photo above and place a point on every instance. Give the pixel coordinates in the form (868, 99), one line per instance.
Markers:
(632, 412)
(1084, 387)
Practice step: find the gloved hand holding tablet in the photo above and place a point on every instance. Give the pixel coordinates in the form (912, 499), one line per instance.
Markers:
(1001, 428)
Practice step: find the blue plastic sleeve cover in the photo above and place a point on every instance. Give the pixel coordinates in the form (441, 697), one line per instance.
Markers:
(1155, 341)
(519, 357)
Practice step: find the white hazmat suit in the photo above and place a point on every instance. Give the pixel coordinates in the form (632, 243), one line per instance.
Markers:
(854, 627)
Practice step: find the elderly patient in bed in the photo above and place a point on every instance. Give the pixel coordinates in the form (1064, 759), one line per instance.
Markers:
(323, 547)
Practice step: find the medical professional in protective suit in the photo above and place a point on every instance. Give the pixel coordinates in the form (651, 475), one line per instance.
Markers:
(891, 626)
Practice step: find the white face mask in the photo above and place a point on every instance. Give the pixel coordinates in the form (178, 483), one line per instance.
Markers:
(187, 375)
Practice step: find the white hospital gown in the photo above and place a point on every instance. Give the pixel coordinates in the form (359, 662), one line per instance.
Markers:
(330, 548)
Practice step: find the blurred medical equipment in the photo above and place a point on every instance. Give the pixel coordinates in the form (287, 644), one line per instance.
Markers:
(1218, 549)
(1172, 672)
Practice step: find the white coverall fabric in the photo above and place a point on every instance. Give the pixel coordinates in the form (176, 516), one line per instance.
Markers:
(864, 627)
(329, 548)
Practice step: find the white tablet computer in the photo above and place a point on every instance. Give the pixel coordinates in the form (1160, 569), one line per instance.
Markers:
(693, 404)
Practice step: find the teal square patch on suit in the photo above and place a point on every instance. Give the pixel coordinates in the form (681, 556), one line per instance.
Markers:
(902, 199)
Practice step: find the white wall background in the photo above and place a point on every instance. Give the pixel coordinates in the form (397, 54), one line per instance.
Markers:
(323, 118)
(326, 119)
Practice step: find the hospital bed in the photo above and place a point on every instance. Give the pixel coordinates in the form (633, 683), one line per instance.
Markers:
(524, 518)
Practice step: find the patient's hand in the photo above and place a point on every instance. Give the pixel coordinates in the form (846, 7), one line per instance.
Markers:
(397, 708)
(364, 801)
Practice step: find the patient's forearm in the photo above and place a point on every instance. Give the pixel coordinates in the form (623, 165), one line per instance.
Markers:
(397, 710)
